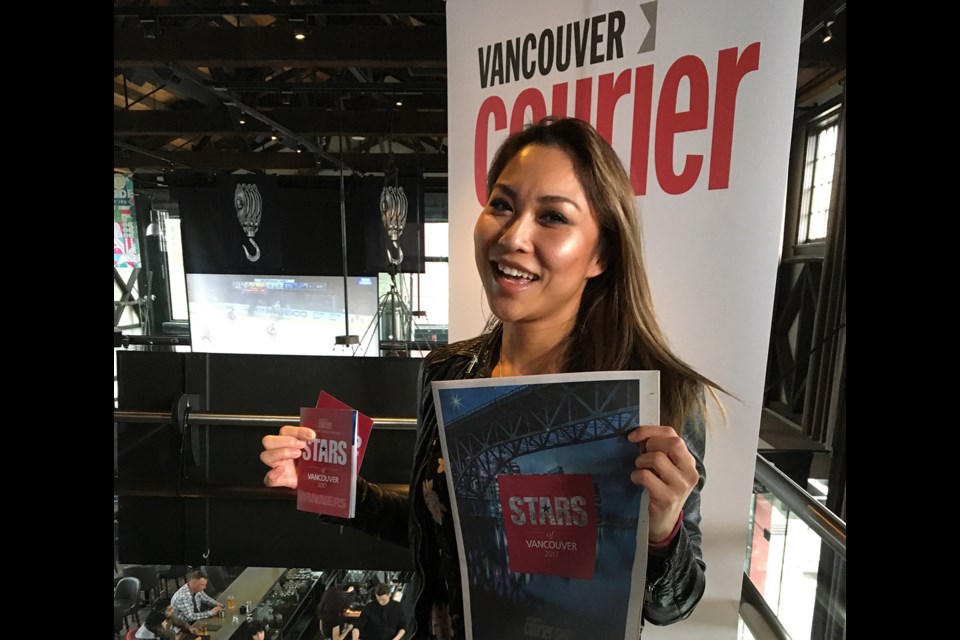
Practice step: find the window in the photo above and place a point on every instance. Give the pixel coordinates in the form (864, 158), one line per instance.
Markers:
(817, 186)
(178, 280)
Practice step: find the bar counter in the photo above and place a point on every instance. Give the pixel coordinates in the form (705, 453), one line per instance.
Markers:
(254, 585)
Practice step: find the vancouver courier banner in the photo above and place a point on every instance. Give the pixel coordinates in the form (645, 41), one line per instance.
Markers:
(697, 99)
(546, 517)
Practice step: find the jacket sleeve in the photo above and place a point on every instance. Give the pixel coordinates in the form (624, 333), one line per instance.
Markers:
(380, 513)
(183, 625)
(675, 574)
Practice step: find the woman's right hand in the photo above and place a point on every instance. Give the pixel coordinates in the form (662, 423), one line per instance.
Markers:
(280, 452)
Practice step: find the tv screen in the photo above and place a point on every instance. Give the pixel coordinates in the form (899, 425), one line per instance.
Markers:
(291, 315)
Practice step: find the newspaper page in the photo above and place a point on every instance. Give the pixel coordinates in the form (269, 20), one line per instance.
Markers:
(551, 531)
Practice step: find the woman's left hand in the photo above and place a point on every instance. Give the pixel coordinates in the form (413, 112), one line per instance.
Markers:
(668, 471)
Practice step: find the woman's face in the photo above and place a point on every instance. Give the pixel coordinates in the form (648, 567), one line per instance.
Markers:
(258, 635)
(536, 242)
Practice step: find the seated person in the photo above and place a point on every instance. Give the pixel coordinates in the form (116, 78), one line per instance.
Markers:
(190, 603)
(161, 622)
(332, 613)
(382, 619)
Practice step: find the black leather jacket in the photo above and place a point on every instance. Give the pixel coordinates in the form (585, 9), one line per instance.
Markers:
(675, 575)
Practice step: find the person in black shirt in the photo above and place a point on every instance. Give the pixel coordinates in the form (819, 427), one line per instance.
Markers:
(332, 612)
(382, 619)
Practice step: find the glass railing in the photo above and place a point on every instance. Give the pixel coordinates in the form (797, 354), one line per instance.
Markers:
(795, 566)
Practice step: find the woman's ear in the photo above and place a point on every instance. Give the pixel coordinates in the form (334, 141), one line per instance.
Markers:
(599, 264)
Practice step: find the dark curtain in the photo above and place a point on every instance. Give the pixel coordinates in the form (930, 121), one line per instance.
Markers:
(299, 232)
(377, 241)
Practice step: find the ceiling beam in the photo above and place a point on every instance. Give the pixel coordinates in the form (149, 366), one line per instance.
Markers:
(231, 161)
(335, 47)
(395, 7)
(311, 122)
(414, 87)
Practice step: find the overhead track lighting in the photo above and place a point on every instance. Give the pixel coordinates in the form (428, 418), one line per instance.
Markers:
(300, 28)
(827, 33)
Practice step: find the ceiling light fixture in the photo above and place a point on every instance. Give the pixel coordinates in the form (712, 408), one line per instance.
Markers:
(827, 33)
(300, 28)
(399, 103)
(273, 137)
(243, 120)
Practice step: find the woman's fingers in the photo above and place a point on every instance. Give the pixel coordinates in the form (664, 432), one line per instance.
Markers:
(273, 457)
(647, 431)
(281, 476)
(662, 466)
(668, 472)
(300, 433)
(280, 452)
(282, 442)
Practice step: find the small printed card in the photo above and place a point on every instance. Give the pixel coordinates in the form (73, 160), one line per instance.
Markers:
(327, 470)
(364, 424)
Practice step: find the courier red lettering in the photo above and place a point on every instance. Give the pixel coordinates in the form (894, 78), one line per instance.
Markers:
(672, 120)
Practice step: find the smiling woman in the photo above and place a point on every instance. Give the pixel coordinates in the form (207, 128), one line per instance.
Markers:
(558, 250)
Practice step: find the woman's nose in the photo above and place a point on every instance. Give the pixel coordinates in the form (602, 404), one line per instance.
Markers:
(518, 232)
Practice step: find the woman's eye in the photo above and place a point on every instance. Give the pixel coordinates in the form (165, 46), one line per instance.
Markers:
(553, 217)
(499, 204)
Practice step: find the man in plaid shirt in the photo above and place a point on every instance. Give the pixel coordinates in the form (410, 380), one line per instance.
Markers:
(190, 603)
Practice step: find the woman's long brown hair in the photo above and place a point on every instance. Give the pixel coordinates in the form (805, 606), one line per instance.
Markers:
(616, 327)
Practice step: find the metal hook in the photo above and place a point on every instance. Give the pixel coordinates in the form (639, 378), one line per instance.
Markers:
(207, 554)
(398, 259)
(256, 256)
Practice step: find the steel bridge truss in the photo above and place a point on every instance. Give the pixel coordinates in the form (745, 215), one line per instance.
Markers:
(537, 418)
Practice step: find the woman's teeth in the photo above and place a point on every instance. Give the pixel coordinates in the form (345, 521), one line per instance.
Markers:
(516, 273)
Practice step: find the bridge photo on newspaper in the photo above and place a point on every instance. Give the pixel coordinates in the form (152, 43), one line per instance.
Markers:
(552, 534)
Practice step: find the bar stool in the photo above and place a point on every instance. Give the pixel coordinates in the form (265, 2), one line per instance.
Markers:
(117, 620)
(126, 598)
(171, 572)
(147, 575)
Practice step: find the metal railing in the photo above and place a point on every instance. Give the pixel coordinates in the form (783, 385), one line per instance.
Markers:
(757, 614)
(243, 420)
(827, 526)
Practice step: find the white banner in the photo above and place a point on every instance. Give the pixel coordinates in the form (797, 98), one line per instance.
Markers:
(697, 98)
